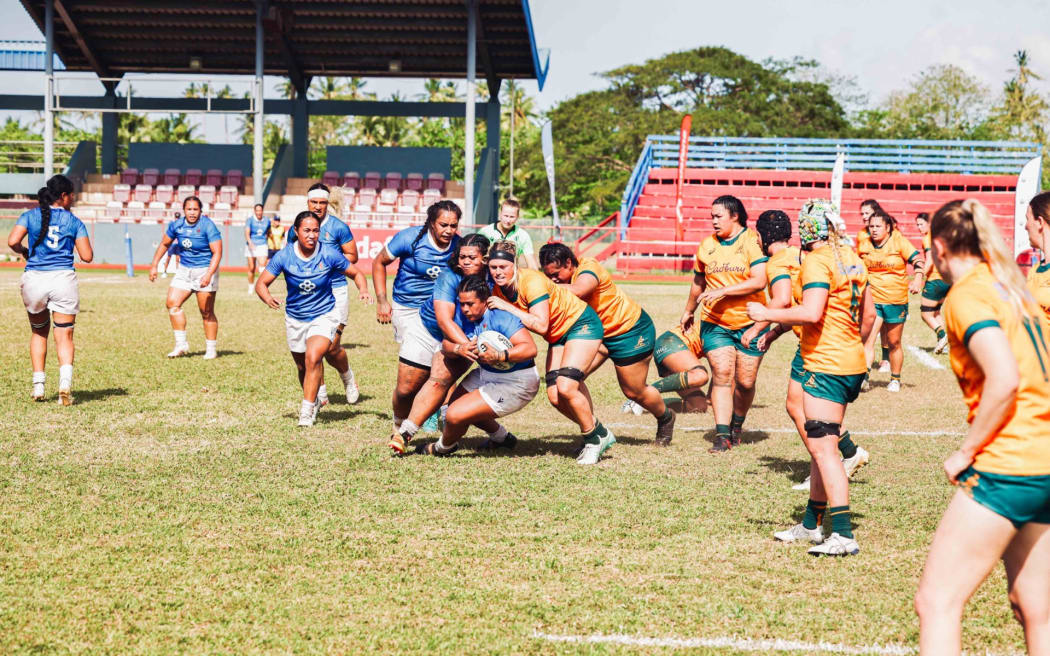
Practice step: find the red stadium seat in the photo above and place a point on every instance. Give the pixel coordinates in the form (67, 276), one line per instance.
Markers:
(150, 177)
(213, 177)
(430, 196)
(228, 194)
(393, 181)
(164, 194)
(388, 196)
(184, 192)
(135, 209)
(122, 193)
(371, 180)
(207, 194)
(351, 179)
(409, 201)
(155, 210)
(222, 212)
(330, 178)
(436, 181)
(129, 177)
(114, 209)
(143, 193)
(367, 195)
(172, 177)
(193, 177)
(235, 178)
(414, 181)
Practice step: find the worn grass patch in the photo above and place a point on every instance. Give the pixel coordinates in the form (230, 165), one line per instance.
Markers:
(177, 507)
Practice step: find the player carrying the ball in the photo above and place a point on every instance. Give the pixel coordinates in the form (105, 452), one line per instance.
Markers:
(504, 381)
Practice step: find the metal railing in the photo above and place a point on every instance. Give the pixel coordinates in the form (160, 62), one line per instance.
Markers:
(903, 156)
(27, 156)
(635, 185)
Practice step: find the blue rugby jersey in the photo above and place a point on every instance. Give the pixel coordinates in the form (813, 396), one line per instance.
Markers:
(55, 252)
(309, 281)
(194, 240)
(419, 265)
(334, 233)
(503, 323)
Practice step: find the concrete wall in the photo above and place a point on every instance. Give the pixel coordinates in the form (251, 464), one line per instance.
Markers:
(190, 156)
(108, 242)
(389, 160)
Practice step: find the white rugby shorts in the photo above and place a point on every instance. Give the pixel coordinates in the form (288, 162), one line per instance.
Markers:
(256, 251)
(57, 291)
(189, 279)
(342, 302)
(418, 346)
(300, 331)
(504, 392)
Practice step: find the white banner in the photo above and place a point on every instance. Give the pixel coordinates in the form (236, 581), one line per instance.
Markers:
(547, 143)
(1027, 187)
(836, 181)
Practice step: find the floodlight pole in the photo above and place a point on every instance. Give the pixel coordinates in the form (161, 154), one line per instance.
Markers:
(49, 99)
(468, 155)
(257, 92)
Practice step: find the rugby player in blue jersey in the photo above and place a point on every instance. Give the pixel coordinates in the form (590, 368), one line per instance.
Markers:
(312, 318)
(49, 286)
(197, 273)
(256, 231)
(338, 235)
(504, 381)
(440, 317)
(422, 255)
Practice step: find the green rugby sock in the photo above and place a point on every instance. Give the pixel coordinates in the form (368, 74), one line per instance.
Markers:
(896, 377)
(814, 516)
(665, 417)
(940, 333)
(846, 446)
(840, 521)
(737, 423)
(672, 383)
(885, 353)
(722, 429)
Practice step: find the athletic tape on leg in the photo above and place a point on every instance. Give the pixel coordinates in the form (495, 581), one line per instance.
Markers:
(821, 428)
(571, 373)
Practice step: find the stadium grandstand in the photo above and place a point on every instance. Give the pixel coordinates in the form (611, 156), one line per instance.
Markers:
(381, 189)
(906, 177)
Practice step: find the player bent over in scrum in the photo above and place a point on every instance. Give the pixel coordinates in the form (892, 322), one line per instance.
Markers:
(504, 381)
(311, 315)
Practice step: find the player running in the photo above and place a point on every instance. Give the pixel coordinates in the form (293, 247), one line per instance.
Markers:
(886, 256)
(784, 270)
(337, 234)
(439, 316)
(836, 314)
(49, 286)
(1001, 509)
(868, 209)
(312, 316)
(504, 381)
(423, 254)
(1037, 224)
(572, 330)
(730, 271)
(198, 273)
(629, 335)
(935, 289)
(256, 232)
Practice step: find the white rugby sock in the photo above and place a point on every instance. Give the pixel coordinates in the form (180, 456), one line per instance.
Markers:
(408, 428)
(209, 345)
(439, 446)
(180, 338)
(307, 406)
(322, 392)
(348, 377)
(39, 377)
(499, 434)
(65, 376)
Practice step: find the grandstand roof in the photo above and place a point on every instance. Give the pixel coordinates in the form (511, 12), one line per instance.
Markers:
(373, 38)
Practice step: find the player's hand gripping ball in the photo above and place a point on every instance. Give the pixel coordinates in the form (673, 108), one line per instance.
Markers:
(493, 342)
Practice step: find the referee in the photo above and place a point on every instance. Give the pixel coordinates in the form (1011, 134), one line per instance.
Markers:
(506, 229)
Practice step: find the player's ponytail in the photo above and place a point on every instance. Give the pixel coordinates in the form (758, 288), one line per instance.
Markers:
(966, 227)
(48, 195)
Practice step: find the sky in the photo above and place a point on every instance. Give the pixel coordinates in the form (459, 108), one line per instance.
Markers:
(881, 45)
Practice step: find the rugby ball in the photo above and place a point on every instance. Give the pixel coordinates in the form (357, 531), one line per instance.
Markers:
(490, 339)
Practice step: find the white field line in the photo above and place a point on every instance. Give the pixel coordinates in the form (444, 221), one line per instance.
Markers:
(924, 357)
(748, 429)
(740, 644)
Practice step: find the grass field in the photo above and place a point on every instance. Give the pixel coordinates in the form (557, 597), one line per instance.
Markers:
(176, 507)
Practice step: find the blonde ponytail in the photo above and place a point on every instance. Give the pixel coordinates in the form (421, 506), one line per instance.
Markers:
(997, 255)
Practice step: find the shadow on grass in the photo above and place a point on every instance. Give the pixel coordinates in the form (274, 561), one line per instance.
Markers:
(353, 345)
(222, 353)
(797, 470)
(87, 396)
(747, 437)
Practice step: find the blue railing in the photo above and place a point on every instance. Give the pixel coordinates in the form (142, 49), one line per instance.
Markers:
(635, 186)
(861, 154)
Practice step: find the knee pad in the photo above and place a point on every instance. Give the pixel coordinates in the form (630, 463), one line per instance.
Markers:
(571, 373)
(821, 428)
(37, 326)
(551, 378)
(174, 310)
(63, 324)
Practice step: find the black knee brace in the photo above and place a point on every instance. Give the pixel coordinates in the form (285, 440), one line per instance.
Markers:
(64, 324)
(821, 429)
(572, 373)
(551, 378)
(38, 326)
